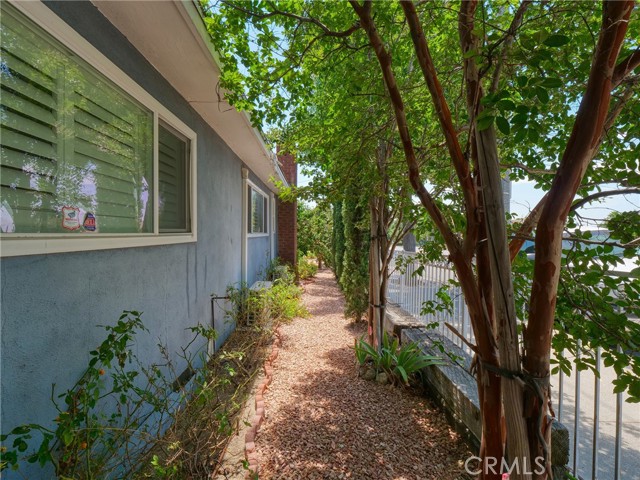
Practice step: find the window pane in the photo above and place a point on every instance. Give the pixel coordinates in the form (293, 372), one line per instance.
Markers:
(264, 215)
(258, 212)
(110, 172)
(173, 180)
(30, 142)
(76, 152)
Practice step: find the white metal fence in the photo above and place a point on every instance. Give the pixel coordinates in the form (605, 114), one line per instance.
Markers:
(605, 445)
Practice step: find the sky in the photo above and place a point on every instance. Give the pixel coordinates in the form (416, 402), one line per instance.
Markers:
(524, 197)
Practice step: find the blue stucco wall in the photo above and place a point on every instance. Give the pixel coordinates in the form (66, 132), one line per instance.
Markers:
(51, 304)
(258, 256)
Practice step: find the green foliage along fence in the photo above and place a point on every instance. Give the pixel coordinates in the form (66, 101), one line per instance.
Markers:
(355, 274)
(337, 244)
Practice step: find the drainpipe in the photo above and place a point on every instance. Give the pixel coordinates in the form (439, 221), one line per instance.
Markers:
(245, 222)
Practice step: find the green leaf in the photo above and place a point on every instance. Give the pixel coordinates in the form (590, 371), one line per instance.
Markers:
(469, 54)
(503, 125)
(557, 40)
(551, 82)
(67, 437)
(520, 135)
(540, 35)
(519, 119)
(403, 373)
(506, 104)
(21, 430)
(620, 387)
(542, 94)
(484, 122)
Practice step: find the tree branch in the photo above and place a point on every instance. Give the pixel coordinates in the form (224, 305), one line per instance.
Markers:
(609, 193)
(526, 228)
(460, 163)
(529, 170)
(625, 67)
(616, 109)
(326, 30)
(508, 41)
(384, 59)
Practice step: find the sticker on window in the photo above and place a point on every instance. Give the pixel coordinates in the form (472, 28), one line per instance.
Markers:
(89, 223)
(7, 225)
(70, 218)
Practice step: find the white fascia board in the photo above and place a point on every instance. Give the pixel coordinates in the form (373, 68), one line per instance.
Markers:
(195, 15)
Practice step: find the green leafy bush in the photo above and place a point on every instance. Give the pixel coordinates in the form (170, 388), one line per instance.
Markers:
(284, 301)
(399, 362)
(315, 232)
(85, 442)
(277, 270)
(280, 302)
(354, 279)
(307, 268)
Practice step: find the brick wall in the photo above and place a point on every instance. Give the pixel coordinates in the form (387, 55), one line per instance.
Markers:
(287, 214)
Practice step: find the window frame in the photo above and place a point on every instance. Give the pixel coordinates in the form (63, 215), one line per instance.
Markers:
(18, 244)
(253, 187)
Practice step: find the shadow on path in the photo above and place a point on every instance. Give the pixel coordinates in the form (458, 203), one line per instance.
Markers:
(323, 422)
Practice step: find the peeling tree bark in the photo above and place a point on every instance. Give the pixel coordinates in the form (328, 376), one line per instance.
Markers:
(375, 304)
(550, 216)
(488, 381)
(496, 250)
(460, 163)
(582, 144)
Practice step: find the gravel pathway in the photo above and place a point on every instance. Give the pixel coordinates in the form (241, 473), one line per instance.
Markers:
(323, 422)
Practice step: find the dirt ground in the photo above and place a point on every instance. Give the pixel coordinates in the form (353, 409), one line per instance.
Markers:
(323, 422)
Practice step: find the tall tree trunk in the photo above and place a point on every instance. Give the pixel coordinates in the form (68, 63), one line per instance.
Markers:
(504, 304)
(375, 326)
(582, 143)
(378, 269)
(497, 254)
(489, 383)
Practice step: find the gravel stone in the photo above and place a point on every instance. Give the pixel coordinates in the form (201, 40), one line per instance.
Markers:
(322, 421)
(382, 378)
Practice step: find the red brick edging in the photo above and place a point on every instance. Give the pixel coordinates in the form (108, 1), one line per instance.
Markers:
(250, 435)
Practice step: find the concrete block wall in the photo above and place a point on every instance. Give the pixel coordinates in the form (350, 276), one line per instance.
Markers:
(455, 389)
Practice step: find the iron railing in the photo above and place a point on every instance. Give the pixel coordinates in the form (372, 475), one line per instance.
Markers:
(605, 444)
